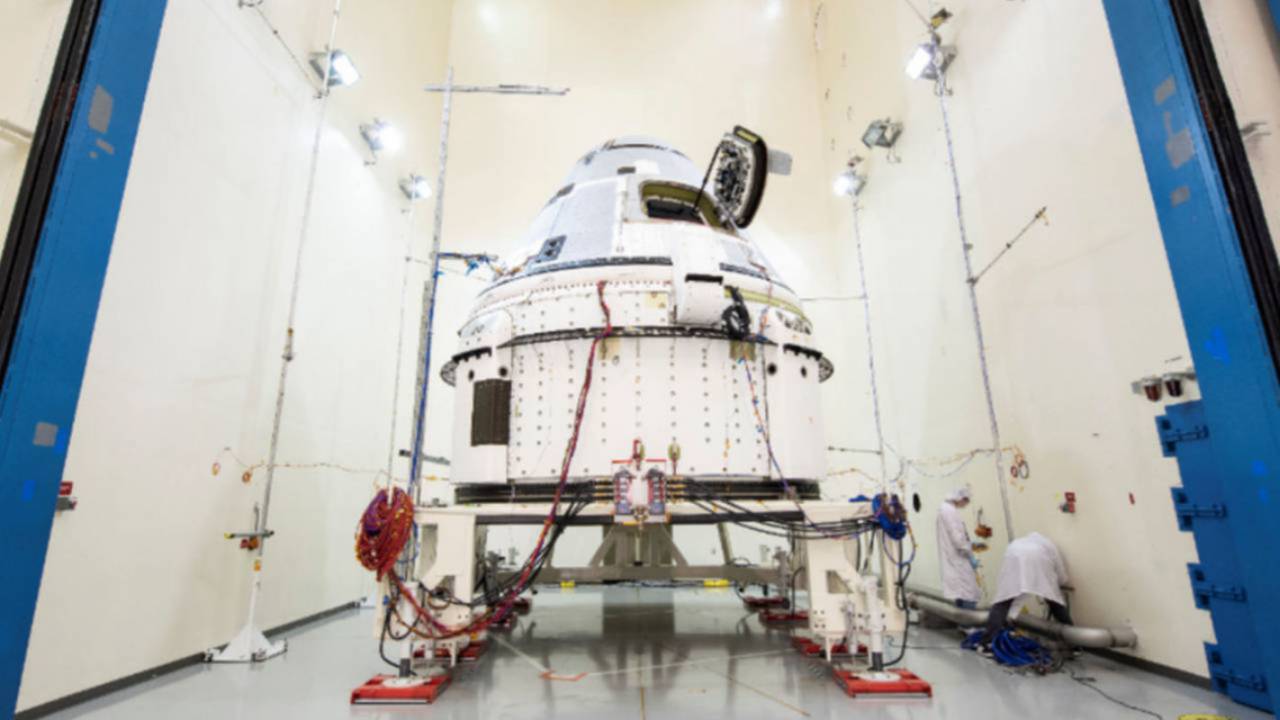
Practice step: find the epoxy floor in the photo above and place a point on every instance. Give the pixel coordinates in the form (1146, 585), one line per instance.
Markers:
(645, 653)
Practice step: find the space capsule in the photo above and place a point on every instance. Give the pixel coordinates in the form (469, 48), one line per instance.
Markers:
(709, 372)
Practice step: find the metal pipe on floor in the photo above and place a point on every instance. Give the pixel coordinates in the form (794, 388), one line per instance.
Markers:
(14, 133)
(1078, 635)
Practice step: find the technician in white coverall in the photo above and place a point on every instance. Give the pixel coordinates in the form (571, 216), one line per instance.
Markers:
(1032, 566)
(955, 552)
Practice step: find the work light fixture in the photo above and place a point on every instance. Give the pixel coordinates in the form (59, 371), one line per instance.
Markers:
(881, 133)
(415, 187)
(381, 136)
(341, 70)
(849, 183)
(930, 59)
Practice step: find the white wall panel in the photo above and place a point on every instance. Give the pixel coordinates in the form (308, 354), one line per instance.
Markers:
(187, 346)
(1078, 309)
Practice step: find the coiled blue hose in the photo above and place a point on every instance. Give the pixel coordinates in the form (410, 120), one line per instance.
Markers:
(1013, 649)
(890, 516)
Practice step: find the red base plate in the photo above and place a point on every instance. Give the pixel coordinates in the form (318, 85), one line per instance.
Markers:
(906, 684)
(809, 648)
(783, 616)
(376, 691)
(758, 603)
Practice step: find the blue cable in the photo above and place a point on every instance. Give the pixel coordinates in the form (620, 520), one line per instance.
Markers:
(896, 529)
(1013, 650)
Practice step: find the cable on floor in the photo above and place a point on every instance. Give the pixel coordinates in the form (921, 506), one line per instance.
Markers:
(1089, 683)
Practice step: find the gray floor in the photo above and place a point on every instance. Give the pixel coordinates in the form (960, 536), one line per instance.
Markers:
(647, 653)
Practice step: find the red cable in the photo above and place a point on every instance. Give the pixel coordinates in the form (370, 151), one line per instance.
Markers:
(383, 530)
(373, 547)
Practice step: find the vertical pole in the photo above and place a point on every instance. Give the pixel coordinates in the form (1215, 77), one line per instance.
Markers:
(941, 90)
(726, 547)
(429, 296)
(424, 362)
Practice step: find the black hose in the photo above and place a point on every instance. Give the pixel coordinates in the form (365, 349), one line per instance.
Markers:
(382, 640)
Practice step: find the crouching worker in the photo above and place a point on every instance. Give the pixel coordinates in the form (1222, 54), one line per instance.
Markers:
(1032, 566)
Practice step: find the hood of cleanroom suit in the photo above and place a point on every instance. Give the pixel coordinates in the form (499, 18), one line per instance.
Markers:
(959, 580)
(1032, 564)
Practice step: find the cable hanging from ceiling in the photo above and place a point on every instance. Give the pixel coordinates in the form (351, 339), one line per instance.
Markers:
(965, 248)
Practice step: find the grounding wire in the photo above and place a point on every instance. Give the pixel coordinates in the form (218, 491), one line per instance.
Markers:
(871, 354)
(287, 355)
(941, 92)
(404, 301)
(275, 32)
(917, 13)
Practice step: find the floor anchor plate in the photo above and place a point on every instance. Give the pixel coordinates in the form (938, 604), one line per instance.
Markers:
(891, 682)
(392, 690)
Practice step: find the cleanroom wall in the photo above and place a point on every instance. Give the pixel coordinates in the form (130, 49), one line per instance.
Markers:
(182, 375)
(1247, 48)
(1081, 306)
(186, 356)
(29, 39)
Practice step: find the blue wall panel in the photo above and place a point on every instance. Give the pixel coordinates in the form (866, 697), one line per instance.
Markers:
(1217, 585)
(1233, 362)
(42, 384)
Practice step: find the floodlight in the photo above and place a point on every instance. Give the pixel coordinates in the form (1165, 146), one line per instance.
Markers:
(881, 133)
(341, 70)
(930, 60)
(848, 183)
(415, 187)
(382, 136)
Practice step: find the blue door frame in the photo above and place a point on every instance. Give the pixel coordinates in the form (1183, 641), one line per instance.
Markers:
(45, 369)
(1240, 407)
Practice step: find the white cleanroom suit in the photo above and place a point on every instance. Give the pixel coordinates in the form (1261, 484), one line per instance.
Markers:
(955, 551)
(1032, 564)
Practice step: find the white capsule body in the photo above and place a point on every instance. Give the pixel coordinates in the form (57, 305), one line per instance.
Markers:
(671, 383)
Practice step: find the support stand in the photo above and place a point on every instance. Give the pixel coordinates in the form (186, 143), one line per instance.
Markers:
(249, 645)
(850, 612)
(766, 602)
(778, 617)
(807, 647)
